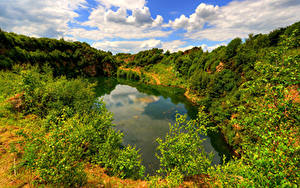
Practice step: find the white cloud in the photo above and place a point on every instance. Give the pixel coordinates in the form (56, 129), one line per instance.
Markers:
(110, 33)
(203, 13)
(50, 18)
(127, 46)
(136, 46)
(119, 24)
(132, 19)
(158, 21)
(179, 46)
(126, 4)
(173, 46)
(38, 18)
(140, 17)
(211, 48)
(238, 19)
(119, 16)
(181, 22)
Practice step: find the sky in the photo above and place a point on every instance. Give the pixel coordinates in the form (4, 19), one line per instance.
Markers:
(129, 26)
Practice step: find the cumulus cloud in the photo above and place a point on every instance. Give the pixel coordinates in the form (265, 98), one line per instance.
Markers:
(238, 19)
(119, 16)
(140, 17)
(38, 18)
(158, 21)
(203, 13)
(120, 24)
(52, 19)
(132, 20)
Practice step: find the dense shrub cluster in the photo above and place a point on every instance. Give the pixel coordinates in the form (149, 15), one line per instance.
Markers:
(75, 129)
(266, 125)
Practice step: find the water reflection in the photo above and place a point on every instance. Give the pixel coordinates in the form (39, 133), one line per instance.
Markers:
(143, 114)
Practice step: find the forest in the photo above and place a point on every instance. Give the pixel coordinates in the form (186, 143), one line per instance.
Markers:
(54, 132)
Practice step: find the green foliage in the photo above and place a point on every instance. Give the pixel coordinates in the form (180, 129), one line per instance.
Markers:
(130, 75)
(232, 47)
(58, 159)
(183, 64)
(147, 58)
(44, 93)
(222, 82)
(181, 152)
(75, 129)
(200, 81)
(127, 164)
(66, 58)
(268, 120)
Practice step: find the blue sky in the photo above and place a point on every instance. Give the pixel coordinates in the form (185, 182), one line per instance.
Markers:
(170, 10)
(133, 25)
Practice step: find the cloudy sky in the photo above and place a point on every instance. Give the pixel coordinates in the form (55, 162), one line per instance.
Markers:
(134, 25)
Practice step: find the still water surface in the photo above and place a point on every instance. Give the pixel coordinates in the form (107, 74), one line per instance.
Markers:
(143, 114)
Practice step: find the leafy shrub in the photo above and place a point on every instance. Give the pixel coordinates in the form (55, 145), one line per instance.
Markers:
(44, 93)
(127, 164)
(182, 151)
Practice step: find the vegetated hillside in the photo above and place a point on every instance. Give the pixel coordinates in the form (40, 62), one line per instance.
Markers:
(66, 58)
(212, 79)
(53, 133)
(249, 90)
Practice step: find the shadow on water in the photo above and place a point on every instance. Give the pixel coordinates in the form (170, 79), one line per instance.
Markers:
(143, 113)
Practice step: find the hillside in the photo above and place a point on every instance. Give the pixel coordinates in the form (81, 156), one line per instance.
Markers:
(66, 58)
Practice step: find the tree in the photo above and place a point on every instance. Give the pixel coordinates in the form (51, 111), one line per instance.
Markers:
(232, 47)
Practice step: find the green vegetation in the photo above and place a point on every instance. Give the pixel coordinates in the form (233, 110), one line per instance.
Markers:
(70, 129)
(250, 91)
(181, 151)
(247, 90)
(66, 58)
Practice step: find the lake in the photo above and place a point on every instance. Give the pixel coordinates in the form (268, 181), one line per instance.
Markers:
(143, 113)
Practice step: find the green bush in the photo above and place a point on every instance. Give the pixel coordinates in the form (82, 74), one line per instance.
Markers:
(182, 151)
(74, 129)
(44, 93)
(127, 164)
